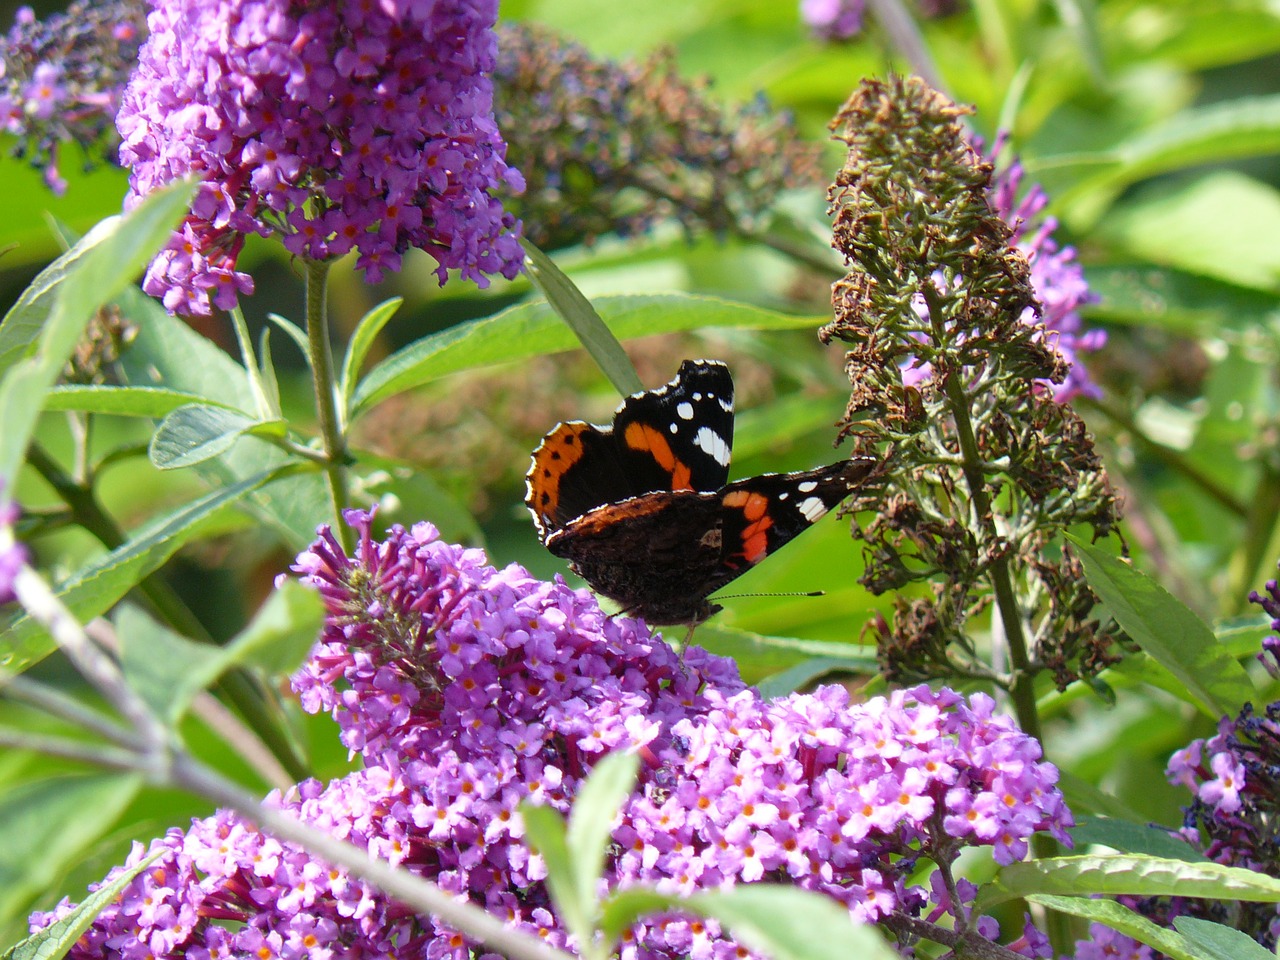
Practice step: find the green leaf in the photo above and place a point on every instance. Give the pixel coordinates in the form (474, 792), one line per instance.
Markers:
(1242, 127)
(281, 633)
(267, 373)
(533, 329)
(295, 333)
(102, 264)
(544, 831)
(362, 340)
(1167, 630)
(623, 908)
(781, 922)
(168, 670)
(1129, 837)
(56, 940)
(801, 675)
(1217, 942)
(1120, 918)
(46, 826)
(90, 275)
(576, 311)
(1080, 17)
(1129, 874)
(168, 352)
(1174, 301)
(785, 923)
(164, 668)
(1218, 225)
(591, 820)
(734, 641)
(97, 586)
(1082, 795)
(152, 402)
(199, 432)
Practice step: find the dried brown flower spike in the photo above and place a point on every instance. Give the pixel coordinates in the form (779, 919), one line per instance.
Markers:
(988, 470)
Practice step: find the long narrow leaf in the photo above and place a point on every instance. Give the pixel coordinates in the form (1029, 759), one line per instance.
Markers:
(533, 329)
(94, 272)
(1167, 630)
(362, 340)
(1129, 874)
(576, 311)
(591, 819)
(56, 940)
(1121, 918)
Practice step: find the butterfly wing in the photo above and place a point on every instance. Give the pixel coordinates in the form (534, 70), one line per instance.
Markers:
(676, 437)
(762, 514)
(684, 429)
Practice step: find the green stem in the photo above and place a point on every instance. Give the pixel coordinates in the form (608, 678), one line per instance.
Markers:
(1254, 557)
(904, 34)
(1022, 687)
(1022, 676)
(242, 692)
(331, 432)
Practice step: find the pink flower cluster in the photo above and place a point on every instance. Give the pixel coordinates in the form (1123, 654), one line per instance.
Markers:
(468, 690)
(833, 19)
(363, 126)
(1056, 276)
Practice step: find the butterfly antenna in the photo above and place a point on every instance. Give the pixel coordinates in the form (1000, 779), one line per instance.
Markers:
(798, 593)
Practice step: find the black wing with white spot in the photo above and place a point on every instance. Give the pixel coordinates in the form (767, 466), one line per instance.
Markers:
(686, 427)
(675, 437)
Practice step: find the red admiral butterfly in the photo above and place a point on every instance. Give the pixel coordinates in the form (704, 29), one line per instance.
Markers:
(643, 510)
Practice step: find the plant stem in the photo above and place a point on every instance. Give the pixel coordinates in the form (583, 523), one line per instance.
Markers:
(331, 431)
(242, 692)
(905, 36)
(1022, 677)
(1022, 686)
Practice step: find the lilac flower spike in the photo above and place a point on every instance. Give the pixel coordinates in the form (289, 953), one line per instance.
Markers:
(1056, 276)
(468, 690)
(12, 554)
(353, 126)
(833, 19)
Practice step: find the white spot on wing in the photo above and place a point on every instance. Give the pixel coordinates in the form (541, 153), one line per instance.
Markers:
(726, 406)
(713, 445)
(674, 428)
(807, 487)
(685, 410)
(813, 508)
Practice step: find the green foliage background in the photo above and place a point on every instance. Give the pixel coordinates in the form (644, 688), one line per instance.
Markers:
(1155, 127)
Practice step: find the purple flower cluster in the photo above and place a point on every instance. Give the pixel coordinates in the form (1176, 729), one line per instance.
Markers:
(362, 126)
(60, 79)
(833, 19)
(468, 690)
(1056, 276)
(12, 554)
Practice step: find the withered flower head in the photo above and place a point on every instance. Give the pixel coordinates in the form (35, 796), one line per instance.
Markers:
(611, 147)
(988, 469)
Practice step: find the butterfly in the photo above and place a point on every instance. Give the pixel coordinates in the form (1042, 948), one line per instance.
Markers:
(643, 509)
